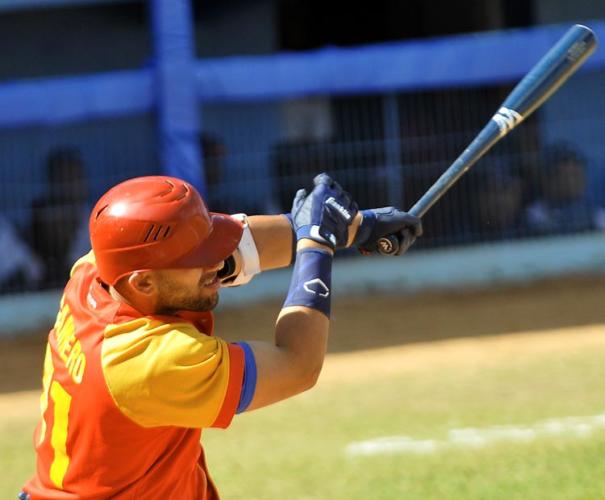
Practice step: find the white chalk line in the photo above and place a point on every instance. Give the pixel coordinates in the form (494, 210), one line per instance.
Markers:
(471, 437)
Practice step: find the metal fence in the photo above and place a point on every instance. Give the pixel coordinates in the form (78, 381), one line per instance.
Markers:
(388, 149)
(270, 124)
(385, 149)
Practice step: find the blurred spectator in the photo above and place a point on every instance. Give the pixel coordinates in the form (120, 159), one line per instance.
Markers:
(19, 267)
(307, 118)
(295, 161)
(484, 205)
(560, 204)
(59, 224)
(213, 152)
(499, 203)
(220, 194)
(528, 171)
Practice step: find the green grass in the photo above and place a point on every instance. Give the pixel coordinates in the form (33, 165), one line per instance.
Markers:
(16, 454)
(296, 449)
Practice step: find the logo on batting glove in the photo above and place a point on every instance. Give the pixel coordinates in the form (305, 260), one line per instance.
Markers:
(342, 210)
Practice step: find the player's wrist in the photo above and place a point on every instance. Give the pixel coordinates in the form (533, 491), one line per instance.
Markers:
(364, 227)
(311, 280)
(354, 228)
(316, 233)
(309, 243)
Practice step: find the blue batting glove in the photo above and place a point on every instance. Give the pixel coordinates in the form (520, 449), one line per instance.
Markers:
(325, 214)
(380, 222)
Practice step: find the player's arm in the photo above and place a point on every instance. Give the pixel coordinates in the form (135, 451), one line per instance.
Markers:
(276, 240)
(269, 241)
(292, 363)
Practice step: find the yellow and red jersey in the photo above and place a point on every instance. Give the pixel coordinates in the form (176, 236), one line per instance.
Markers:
(126, 396)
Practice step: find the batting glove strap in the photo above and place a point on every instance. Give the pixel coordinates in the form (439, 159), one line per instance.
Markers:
(316, 233)
(311, 281)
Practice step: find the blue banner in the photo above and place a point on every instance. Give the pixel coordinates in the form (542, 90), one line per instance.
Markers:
(51, 101)
(453, 61)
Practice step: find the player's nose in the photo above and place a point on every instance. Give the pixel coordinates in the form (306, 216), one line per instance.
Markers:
(216, 268)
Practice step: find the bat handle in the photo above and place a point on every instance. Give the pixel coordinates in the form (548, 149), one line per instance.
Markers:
(388, 245)
(391, 244)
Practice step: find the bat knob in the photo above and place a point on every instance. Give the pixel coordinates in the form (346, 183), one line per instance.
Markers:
(388, 245)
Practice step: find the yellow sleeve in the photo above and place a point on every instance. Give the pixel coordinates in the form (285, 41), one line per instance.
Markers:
(171, 374)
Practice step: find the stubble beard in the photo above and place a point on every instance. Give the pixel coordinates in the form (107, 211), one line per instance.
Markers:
(170, 305)
(173, 299)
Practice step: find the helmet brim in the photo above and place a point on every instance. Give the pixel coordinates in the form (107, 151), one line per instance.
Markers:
(220, 244)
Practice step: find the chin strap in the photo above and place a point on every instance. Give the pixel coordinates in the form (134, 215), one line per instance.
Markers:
(247, 256)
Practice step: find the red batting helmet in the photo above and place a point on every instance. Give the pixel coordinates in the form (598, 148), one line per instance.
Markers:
(157, 222)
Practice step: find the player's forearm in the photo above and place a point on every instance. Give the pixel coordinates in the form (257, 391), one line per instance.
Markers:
(302, 333)
(291, 364)
(274, 239)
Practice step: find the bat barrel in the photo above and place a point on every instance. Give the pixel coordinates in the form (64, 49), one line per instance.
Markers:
(557, 65)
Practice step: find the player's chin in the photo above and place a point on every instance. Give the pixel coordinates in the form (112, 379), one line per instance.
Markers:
(208, 302)
(213, 301)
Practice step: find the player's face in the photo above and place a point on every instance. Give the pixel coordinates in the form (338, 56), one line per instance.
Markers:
(187, 289)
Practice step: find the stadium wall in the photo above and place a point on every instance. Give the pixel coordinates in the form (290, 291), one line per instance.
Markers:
(453, 269)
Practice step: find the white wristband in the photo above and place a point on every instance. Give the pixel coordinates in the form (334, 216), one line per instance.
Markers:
(248, 255)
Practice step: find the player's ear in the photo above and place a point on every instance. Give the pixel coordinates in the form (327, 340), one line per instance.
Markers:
(142, 282)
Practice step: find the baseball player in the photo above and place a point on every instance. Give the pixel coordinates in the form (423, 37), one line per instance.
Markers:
(133, 373)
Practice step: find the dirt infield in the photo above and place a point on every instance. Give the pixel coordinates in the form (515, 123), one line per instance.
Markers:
(386, 320)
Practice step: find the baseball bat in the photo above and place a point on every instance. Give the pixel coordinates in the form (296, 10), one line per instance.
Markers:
(559, 63)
